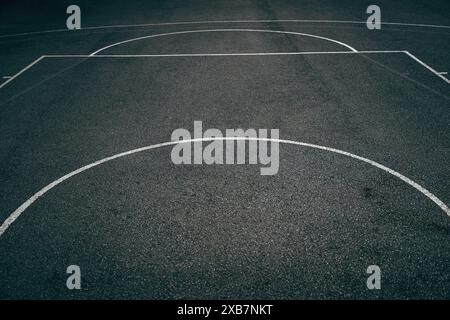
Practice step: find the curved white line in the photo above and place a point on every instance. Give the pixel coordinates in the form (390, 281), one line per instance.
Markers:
(223, 30)
(222, 22)
(50, 186)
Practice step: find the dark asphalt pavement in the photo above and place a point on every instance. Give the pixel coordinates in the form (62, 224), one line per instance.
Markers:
(141, 227)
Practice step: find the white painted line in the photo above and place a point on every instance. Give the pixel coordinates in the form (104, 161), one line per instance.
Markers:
(427, 66)
(223, 30)
(443, 72)
(381, 51)
(264, 21)
(21, 71)
(13, 216)
(222, 55)
(214, 54)
(223, 22)
(7, 77)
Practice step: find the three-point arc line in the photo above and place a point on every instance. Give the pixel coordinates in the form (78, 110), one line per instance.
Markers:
(13, 216)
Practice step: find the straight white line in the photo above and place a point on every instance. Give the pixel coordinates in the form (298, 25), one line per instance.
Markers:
(213, 54)
(443, 72)
(381, 51)
(222, 22)
(427, 66)
(224, 30)
(265, 21)
(13, 216)
(7, 77)
(21, 71)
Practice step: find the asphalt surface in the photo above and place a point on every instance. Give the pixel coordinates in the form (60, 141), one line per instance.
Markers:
(141, 227)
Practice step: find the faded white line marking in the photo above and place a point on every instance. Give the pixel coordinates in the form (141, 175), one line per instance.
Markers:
(16, 214)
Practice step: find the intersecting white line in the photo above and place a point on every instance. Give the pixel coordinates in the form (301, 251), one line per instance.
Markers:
(427, 66)
(21, 71)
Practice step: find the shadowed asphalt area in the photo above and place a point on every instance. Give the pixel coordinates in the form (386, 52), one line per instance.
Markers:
(142, 227)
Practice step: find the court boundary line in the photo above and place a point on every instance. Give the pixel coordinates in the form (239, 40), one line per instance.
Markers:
(155, 24)
(36, 61)
(21, 209)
